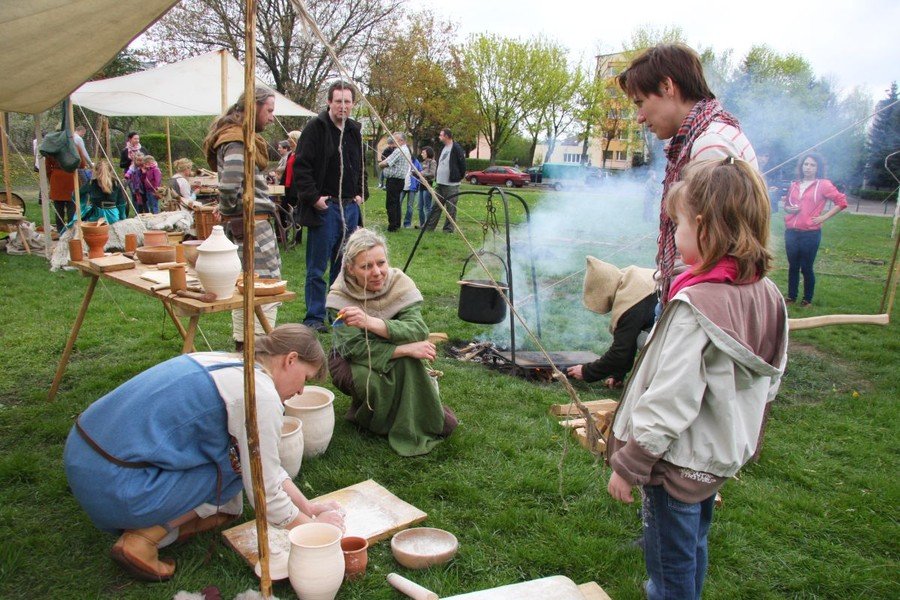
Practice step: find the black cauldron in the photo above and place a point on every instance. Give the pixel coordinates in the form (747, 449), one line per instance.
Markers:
(479, 299)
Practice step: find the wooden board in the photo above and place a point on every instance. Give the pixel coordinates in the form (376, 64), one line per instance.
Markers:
(371, 510)
(116, 262)
(581, 435)
(592, 591)
(570, 410)
(548, 588)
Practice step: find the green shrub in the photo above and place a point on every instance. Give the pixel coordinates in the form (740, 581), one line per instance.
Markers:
(880, 195)
(477, 164)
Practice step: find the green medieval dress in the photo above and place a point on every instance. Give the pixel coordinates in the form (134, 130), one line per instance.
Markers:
(397, 398)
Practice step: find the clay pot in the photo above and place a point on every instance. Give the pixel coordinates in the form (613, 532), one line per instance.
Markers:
(356, 557)
(218, 264)
(190, 251)
(315, 408)
(151, 255)
(76, 250)
(290, 446)
(130, 242)
(316, 563)
(95, 236)
(155, 238)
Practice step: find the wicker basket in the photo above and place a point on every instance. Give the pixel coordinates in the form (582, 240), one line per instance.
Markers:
(203, 221)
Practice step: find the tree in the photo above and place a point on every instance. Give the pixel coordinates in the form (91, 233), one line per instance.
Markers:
(293, 60)
(884, 139)
(498, 69)
(409, 81)
(551, 92)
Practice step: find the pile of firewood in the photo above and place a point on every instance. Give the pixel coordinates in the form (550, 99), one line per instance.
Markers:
(473, 352)
(601, 410)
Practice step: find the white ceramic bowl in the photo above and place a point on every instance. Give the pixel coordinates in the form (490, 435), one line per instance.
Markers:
(422, 547)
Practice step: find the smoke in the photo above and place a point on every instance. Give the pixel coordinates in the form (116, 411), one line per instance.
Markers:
(607, 222)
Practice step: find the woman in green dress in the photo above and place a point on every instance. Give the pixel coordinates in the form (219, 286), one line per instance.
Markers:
(103, 196)
(381, 356)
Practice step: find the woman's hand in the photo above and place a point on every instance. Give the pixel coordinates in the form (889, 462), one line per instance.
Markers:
(619, 489)
(819, 219)
(332, 517)
(424, 350)
(354, 316)
(317, 508)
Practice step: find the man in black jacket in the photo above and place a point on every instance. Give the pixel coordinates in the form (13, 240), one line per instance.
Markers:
(450, 171)
(330, 182)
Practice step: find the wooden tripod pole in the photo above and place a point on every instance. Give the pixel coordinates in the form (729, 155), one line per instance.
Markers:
(70, 113)
(256, 474)
(890, 287)
(7, 182)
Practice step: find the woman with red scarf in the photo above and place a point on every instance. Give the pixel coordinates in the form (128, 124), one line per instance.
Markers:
(803, 205)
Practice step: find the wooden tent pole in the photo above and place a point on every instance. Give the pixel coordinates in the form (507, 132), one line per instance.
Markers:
(223, 87)
(169, 147)
(890, 286)
(45, 189)
(71, 114)
(5, 149)
(249, 127)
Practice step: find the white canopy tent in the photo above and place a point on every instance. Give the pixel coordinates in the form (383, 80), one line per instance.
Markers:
(197, 86)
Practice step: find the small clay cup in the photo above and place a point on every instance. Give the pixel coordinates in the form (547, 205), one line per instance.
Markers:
(76, 250)
(356, 557)
(177, 278)
(179, 253)
(130, 242)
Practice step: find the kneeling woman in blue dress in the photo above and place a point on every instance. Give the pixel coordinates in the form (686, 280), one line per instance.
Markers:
(160, 458)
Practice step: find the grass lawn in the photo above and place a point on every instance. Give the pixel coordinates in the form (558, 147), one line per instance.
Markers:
(815, 518)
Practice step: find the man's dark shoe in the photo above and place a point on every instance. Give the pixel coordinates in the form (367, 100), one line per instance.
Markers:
(317, 326)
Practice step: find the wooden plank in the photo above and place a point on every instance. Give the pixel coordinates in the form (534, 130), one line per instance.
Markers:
(437, 337)
(570, 410)
(573, 423)
(556, 587)
(592, 591)
(371, 511)
(581, 435)
(116, 262)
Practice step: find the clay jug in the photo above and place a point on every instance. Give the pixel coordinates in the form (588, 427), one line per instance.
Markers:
(316, 562)
(290, 446)
(95, 236)
(315, 408)
(356, 556)
(218, 264)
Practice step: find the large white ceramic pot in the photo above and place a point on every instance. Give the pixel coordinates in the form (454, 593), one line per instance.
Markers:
(290, 446)
(316, 562)
(315, 408)
(218, 264)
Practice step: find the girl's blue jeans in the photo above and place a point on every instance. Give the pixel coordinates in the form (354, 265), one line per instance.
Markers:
(675, 549)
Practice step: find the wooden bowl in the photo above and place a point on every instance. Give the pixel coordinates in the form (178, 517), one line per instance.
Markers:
(264, 287)
(422, 547)
(151, 255)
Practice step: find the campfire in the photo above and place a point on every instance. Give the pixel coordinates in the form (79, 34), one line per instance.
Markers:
(533, 366)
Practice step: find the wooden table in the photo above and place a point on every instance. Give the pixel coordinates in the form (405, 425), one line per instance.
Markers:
(175, 307)
(14, 223)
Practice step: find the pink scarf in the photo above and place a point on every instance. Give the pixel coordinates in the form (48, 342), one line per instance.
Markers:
(724, 271)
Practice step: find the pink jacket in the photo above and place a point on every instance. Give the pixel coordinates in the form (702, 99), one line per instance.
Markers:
(152, 177)
(811, 204)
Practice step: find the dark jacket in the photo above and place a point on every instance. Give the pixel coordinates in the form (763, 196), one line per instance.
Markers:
(457, 162)
(619, 358)
(314, 149)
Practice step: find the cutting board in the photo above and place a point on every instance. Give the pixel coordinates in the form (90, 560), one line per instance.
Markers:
(116, 262)
(548, 588)
(371, 511)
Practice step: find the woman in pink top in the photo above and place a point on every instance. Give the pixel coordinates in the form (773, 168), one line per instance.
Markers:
(803, 205)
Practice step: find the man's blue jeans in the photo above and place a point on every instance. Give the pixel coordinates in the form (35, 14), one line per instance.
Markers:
(675, 544)
(801, 248)
(424, 205)
(324, 246)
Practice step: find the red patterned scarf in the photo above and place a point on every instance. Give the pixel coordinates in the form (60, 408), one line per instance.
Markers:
(678, 154)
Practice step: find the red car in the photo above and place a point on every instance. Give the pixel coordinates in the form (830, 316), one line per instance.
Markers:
(507, 176)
